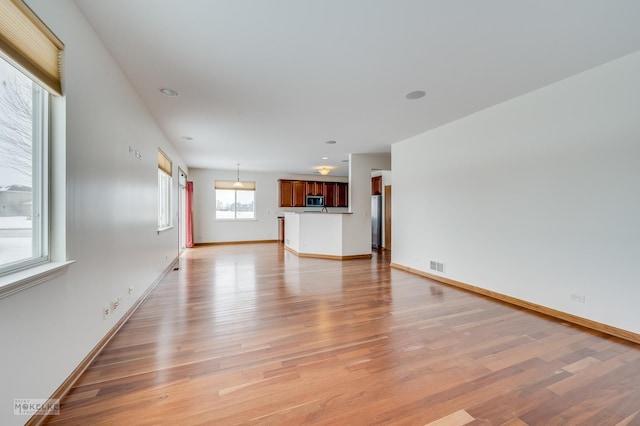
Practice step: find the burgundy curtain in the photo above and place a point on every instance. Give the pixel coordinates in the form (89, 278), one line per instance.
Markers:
(189, 218)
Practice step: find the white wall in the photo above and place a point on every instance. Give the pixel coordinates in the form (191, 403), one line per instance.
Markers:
(536, 198)
(207, 229)
(111, 222)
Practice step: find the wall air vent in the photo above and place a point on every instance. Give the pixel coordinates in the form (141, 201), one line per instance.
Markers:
(436, 266)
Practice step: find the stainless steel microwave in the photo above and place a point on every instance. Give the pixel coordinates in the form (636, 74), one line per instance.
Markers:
(315, 201)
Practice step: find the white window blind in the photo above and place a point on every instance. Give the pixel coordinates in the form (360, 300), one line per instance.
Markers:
(27, 42)
(164, 163)
(233, 184)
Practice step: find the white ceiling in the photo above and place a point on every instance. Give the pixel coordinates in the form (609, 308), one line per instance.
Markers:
(265, 83)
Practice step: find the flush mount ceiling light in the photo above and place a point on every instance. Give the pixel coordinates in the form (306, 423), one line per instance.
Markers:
(237, 183)
(416, 94)
(168, 92)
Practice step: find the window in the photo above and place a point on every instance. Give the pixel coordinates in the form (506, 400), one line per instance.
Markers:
(235, 200)
(30, 70)
(164, 191)
(23, 170)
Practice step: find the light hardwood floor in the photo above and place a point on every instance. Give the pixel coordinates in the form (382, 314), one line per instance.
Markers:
(251, 334)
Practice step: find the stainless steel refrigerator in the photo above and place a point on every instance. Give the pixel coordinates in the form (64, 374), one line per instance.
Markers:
(376, 221)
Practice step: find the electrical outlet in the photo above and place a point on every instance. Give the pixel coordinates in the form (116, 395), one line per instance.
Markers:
(578, 298)
(115, 303)
(105, 312)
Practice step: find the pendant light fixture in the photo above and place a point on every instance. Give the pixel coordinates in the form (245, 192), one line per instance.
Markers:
(237, 183)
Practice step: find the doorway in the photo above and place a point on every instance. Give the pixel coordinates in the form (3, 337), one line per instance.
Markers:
(182, 211)
(387, 217)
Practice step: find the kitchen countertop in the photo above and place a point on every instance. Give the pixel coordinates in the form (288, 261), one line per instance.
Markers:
(317, 212)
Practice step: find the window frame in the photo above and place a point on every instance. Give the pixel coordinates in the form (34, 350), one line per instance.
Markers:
(40, 142)
(52, 262)
(27, 44)
(165, 184)
(235, 203)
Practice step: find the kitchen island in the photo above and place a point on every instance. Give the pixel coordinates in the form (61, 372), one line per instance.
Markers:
(323, 235)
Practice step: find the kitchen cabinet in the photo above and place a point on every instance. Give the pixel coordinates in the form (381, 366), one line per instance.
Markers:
(314, 188)
(329, 192)
(286, 193)
(376, 185)
(293, 193)
(299, 193)
(281, 229)
(342, 194)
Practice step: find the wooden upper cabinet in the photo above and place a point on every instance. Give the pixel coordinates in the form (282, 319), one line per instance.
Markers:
(314, 188)
(299, 193)
(342, 194)
(329, 192)
(293, 193)
(376, 185)
(286, 193)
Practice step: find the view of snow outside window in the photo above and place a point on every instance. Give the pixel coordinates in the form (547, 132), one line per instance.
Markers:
(164, 205)
(16, 166)
(231, 204)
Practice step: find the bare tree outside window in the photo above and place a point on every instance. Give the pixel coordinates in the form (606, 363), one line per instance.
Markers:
(16, 117)
(16, 165)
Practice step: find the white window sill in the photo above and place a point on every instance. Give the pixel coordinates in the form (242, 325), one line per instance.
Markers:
(166, 228)
(22, 280)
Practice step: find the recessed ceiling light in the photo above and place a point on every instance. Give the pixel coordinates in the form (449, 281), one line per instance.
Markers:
(330, 142)
(187, 138)
(168, 92)
(325, 158)
(416, 94)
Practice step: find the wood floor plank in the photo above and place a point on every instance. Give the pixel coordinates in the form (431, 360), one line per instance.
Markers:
(458, 418)
(629, 420)
(252, 334)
